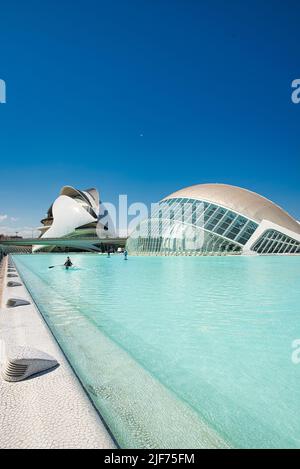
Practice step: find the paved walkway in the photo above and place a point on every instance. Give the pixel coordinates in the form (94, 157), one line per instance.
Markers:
(50, 410)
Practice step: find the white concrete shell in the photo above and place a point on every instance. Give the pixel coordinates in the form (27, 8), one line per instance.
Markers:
(67, 215)
(71, 210)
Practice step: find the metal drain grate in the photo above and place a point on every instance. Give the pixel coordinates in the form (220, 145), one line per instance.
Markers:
(14, 371)
(21, 362)
(13, 302)
(14, 284)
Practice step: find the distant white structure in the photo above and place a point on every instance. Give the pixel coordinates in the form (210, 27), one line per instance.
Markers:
(73, 214)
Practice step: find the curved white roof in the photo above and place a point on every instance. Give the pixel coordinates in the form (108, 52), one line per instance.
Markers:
(91, 195)
(240, 200)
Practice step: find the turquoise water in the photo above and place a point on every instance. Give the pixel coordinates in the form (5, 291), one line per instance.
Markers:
(180, 351)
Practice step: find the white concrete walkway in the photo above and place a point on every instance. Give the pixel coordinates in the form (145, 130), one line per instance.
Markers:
(50, 410)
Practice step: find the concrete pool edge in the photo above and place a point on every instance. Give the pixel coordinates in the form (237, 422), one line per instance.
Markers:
(50, 410)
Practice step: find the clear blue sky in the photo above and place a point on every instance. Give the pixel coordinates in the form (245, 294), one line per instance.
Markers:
(207, 84)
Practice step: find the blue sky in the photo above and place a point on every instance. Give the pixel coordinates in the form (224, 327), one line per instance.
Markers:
(145, 97)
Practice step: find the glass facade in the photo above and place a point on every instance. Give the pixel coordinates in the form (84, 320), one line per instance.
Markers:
(191, 227)
(274, 242)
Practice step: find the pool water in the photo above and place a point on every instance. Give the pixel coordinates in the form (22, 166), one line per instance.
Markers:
(179, 352)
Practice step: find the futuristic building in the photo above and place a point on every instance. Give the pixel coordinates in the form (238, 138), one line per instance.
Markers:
(74, 214)
(216, 219)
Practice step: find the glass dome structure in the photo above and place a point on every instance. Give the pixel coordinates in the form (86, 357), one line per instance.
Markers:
(214, 219)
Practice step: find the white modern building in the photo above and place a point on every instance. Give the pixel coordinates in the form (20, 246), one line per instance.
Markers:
(216, 219)
(74, 214)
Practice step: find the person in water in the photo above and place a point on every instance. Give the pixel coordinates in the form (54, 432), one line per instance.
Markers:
(68, 263)
(125, 255)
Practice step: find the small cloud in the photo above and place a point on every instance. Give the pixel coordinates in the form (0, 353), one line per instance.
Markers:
(3, 217)
(13, 219)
